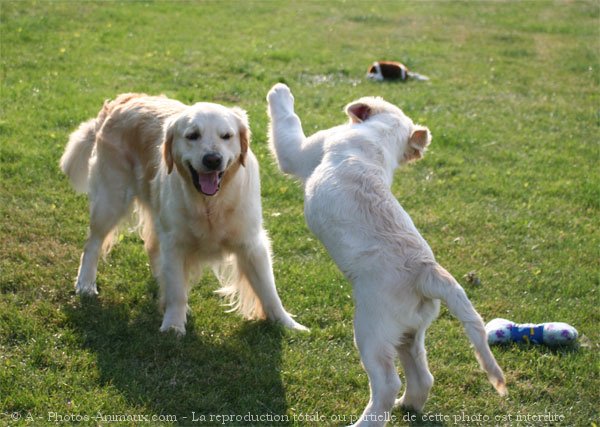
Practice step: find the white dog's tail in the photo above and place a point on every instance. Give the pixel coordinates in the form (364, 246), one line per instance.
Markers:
(76, 158)
(237, 290)
(440, 284)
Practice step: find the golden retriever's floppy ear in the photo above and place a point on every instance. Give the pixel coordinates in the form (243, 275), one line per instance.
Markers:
(244, 129)
(168, 145)
(417, 143)
(358, 111)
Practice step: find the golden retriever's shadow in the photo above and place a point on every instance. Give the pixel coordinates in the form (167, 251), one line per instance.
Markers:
(196, 376)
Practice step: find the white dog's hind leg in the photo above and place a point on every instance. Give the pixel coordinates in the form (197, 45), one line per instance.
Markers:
(377, 355)
(419, 380)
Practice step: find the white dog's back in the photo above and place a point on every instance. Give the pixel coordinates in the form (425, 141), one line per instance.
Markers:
(349, 206)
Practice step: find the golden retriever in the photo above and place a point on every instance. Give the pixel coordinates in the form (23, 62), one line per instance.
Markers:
(194, 181)
(347, 172)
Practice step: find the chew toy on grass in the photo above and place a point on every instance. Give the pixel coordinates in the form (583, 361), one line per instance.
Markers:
(501, 331)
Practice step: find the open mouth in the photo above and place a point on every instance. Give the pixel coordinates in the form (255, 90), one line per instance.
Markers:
(206, 183)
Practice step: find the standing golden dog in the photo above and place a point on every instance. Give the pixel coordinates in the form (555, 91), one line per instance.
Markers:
(195, 183)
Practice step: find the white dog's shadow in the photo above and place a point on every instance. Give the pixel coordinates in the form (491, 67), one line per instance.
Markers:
(200, 375)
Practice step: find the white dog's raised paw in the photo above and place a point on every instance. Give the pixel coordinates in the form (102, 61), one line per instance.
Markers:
(281, 100)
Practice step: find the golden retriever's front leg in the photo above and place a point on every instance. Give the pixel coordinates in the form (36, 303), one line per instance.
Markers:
(88, 268)
(254, 262)
(173, 283)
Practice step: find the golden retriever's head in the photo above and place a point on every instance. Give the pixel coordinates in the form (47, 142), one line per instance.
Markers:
(204, 142)
(413, 139)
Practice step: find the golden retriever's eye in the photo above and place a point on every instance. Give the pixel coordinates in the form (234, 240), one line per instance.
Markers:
(226, 136)
(193, 136)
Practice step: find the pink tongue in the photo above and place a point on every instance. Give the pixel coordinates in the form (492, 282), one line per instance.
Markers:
(209, 183)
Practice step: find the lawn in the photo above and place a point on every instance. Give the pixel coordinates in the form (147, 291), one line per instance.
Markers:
(508, 193)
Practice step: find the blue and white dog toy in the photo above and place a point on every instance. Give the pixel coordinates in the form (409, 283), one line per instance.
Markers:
(502, 331)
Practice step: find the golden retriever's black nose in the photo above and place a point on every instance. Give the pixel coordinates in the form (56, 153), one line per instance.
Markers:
(212, 161)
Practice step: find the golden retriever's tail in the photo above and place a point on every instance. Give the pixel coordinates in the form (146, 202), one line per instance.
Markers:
(76, 158)
(75, 161)
(236, 289)
(440, 284)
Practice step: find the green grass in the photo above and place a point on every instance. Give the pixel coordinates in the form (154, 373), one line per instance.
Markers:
(509, 190)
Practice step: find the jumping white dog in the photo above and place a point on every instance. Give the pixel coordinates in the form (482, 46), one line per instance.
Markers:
(347, 172)
(195, 181)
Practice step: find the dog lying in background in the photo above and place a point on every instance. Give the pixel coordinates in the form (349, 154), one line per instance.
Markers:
(347, 172)
(392, 70)
(195, 182)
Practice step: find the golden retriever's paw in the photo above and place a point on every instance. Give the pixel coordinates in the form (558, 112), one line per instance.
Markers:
(174, 320)
(86, 289)
(178, 330)
(281, 101)
(290, 323)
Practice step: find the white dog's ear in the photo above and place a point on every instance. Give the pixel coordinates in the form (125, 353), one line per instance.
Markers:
(244, 129)
(358, 111)
(168, 144)
(417, 143)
